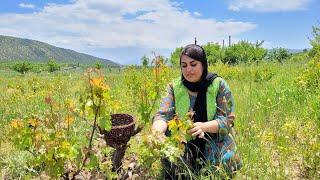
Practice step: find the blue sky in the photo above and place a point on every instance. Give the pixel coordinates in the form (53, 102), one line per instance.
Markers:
(125, 30)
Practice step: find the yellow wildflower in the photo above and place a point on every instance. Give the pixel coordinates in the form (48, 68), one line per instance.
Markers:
(16, 123)
(69, 120)
(33, 122)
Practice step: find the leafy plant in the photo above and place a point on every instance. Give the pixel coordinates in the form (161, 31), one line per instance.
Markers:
(263, 74)
(278, 54)
(144, 84)
(214, 53)
(155, 146)
(53, 65)
(244, 52)
(98, 65)
(145, 61)
(309, 79)
(58, 147)
(22, 67)
(315, 41)
(175, 57)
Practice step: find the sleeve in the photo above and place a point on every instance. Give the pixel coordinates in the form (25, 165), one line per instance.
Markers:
(225, 110)
(166, 110)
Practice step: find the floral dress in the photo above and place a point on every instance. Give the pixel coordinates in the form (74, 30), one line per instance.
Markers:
(221, 148)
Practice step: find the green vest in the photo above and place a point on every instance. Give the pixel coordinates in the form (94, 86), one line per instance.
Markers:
(182, 100)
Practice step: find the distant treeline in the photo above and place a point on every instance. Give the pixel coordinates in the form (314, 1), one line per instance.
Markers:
(26, 66)
(241, 52)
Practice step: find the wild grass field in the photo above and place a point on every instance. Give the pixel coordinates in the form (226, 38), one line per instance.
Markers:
(277, 118)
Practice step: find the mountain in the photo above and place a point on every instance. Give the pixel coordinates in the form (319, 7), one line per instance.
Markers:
(14, 49)
(293, 51)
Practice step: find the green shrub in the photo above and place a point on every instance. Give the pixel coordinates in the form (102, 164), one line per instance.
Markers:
(53, 66)
(22, 67)
(214, 53)
(175, 57)
(145, 61)
(310, 77)
(315, 42)
(244, 52)
(98, 65)
(279, 54)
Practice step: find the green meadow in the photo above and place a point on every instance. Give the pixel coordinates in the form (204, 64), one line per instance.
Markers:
(277, 118)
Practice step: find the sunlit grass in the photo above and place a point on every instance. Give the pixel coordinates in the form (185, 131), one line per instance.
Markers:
(277, 122)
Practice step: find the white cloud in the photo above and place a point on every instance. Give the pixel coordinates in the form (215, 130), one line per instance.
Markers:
(107, 24)
(268, 5)
(28, 6)
(197, 13)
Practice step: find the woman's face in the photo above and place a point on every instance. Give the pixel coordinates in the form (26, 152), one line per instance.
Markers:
(191, 69)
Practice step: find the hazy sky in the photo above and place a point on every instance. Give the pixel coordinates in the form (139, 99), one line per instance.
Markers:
(125, 30)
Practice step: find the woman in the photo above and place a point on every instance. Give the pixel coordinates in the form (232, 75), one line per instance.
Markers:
(210, 98)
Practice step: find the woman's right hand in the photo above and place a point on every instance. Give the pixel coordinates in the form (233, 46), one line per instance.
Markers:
(198, 129)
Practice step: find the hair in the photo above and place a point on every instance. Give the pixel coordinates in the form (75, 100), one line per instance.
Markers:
(197, 53)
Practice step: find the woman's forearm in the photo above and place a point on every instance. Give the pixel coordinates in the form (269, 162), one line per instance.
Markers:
(199, 128)
(211, 126)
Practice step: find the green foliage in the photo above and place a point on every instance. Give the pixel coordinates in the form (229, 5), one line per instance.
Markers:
(179, 130)
(155, 146)
(53, 66)
(57, 146)
(159, 60)
(98, 65)
(263, 74)
(214, 53)
(16, 160)
(226, 71)
(48, 139)
(278, 54)
(39, 67)
(310, 77)
(144, 84)
(299, 57)
(145, 61)
(175, 57)
(97, 104)
(315, 41)
(277, 122)
(244, 52)
(22, 67)
(105, 123)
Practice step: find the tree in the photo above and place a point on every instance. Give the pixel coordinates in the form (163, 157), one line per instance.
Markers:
(145, 61)
(214, 52)
(315, 42)
(244, 52)
(53, 65)
(175, 57)
(22, 67)
(98, 65)
(279, 54)
(259, 52)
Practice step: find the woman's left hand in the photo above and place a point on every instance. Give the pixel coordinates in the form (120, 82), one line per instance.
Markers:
(197, 130)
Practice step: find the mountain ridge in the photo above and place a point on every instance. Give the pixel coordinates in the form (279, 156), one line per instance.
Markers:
(17, 49)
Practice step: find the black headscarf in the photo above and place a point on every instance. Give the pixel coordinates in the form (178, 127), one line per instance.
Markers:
(197, 53)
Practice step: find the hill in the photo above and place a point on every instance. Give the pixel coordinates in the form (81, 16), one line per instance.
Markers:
(15, 49)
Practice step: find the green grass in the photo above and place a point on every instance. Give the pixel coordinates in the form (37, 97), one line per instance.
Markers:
(277, 122)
